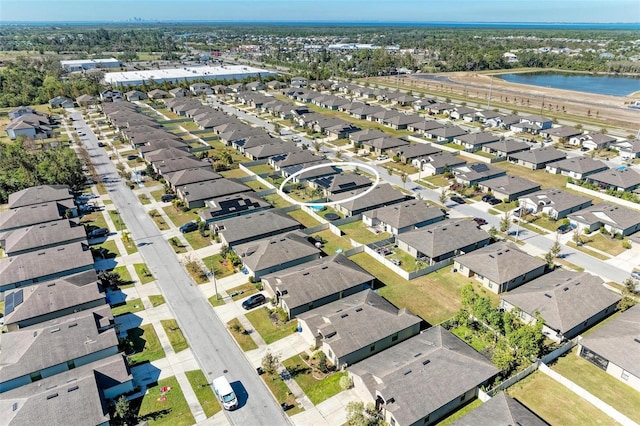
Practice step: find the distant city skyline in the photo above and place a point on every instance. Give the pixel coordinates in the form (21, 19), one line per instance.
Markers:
(384, 11)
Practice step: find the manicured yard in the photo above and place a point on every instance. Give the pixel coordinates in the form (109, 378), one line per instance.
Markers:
(174, 411)
(276, 201)
(222, 267)
(606, 387)
(156, 300)
(359, 232)
(261, 169)
(125, 276)
(331, 242)
(144, 199)
(460, 413)
(131, 306)
(203, 391)
(401, 167)
(157, 195)
(316, 390)
(197, 241)
(304, 218)
(177, 245)
(176, 338)
(434, 297)
(281, 392)
(556, 404)
(216, 300)
(583, 248)
(606, 244)
(95, 219)
(270, 332)
(436, 180)
(244, 340)
(143, 272)
(178, 217)
(256, 185)
(546, 180)
(106, 250)
(159, 220)
(242, 291)
(233, 173)
(145, 344)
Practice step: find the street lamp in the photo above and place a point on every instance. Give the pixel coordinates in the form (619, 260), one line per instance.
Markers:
(215, 283)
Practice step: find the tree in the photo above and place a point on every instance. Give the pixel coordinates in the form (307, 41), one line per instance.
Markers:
(403, 178)
(493, 232)
(122, 408)
(577, 237)
(556, 248)
(322, 362)
(270, 363)
(109, 278)
(548, 257)
(503, 356)
(505, 222)
(316, 145)
(359, 414)
(443, 195)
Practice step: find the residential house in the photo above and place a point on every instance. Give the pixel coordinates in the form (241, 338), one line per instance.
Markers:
(616, 179)
(509, 188)
(402, 217)
(275, 253)
(405, 100)
(424, 126)
(341, 130)
(408, 153)
(500, 410)
(29, 215)
(629, 149)
(593, 140)
(162, 154)
(561, 133)
(157, 94)
(439, 163)
(19, 111)
(439, 108)
(541, 122)
(276, 148)
(500, 267)
(275, 85)
(236, 88)
(445, 134)
(48, 300)
(61, 102)
(135, 95)
(402, 121)
(569, 302)
(383, 144)
(613, 347)
(254, 226)
(555, 203)
(171, 165)
(278, 162)
(364, 111)
(31, 126)
(505, 148)
(194, 195)
(86, 100)
(179, 92)
(474, 141)
(524, 127)
(366, 135)
(471, 174)
(198, 89)
(157, 144)
(111, 96)
(487, 114)
(231, 206)
(536, 159)
(442, 240)
(299, 82)
(77, 397)
(613, 218)
(41, 236)
(190, 176)
(41, 265)
(381, 195)
(52, 347)
(423, 379)
(313, 284)
(384, 115)
(357, 327)
(576, 167)
(342, 182)
(40, 195)
(463, 113)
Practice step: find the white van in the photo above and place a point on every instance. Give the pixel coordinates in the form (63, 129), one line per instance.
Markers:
(225, 393)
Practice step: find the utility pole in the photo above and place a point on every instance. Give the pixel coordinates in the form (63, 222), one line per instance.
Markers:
(215, 283)
(490, 90)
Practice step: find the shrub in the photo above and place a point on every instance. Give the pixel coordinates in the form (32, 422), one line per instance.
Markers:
(626, 244)
(259, 286)
(252, 279)
(346, 382)
(304, 356)
(322, 362)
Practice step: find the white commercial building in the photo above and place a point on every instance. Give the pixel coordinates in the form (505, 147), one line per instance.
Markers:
(191, 73)
(89, 64)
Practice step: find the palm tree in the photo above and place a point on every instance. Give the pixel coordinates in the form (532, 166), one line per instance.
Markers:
(403, 178)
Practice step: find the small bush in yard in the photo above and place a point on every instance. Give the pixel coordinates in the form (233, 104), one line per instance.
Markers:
(346, 382)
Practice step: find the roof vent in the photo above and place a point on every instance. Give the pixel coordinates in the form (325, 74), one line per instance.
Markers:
(53, 395)
(15, 406)
(305, 274)
(71, 389)
(417, 355)
(358, 309)
(426, 361)
(344, 315)
(51, 284)
(75, 324)
(548, 295)
(406, 372)
(565, 289)
(54, 330)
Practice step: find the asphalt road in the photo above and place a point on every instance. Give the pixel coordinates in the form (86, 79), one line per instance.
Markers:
(208, 338)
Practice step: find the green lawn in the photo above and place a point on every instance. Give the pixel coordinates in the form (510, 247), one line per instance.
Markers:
(583, 248)
(281, 392)
(276, 201)
(203, 391)
(608, 245)
(260, 320)
(222, 267)
(556, 404)
(159, 220)
(316, 390)
(244, 340)
(304, 218)
(143, 272)
(178, 217)
(157, 195)
(604, 386)
(95, 219)
(255, 185)
(174, 411)
(261, 168)
(242, 291)
(176, 338)
(460, 413)
(434, 297)
(125, 276)
(233, 173)
(436, 180)
(331, 242)
(145, 343)
(217, 300)
(156, 300)
(144, 199)
(546, 180)
(176, 245)
(197, 241)
(359, 232)
(475, 339)
(133, 305)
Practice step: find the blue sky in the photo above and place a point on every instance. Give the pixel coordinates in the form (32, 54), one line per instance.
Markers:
(574, 11)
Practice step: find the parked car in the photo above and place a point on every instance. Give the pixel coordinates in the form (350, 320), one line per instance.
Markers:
(253, 301)
(635, 275)
(188, 227)
(458, 200)
(101, 144)
(487, 197)
(494, 201)
(480, 221)
(132, 157)
(382, 157)
(99, 232)
(563, 229)
(167, 197)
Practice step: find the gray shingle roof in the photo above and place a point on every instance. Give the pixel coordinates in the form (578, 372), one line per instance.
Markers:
(211, 189)
(317, 279)
(256, 225)
(559, 199)
(443, 159)
(477, 172)
(385, 142)
(477, 138)
(366, 135)
(423, 373)
(508, 146)
(271, 149)
(357, 321)
(234, 204)
(405, 214)
(448, 131)
(343, 181)
(579, 165)
(415, 150)
(179, 163)
(41, 235)
(500, 262)
(619, 178)
(383, 194)
(444, 237)
(617, 340)
(510, 184)
(607, 214)
(501, 410)
(29, 215)
(188, 176)
(39, 195)
(546, 154)
(277, 250)
(564, 299)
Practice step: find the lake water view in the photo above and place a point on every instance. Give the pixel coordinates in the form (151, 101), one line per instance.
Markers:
(615, 85)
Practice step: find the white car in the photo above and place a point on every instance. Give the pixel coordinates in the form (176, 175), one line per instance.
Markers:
(382, 157)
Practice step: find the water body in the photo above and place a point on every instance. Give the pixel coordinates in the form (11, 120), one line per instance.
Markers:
(615, 85)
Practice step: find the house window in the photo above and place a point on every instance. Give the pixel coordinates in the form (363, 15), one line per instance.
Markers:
(394, 337)
(624, 375)
(372, 348)
(392, 422)
(490, 284)
(462, 398)
(71, 364)
(329, 354)
(35, 376)
(426, 419)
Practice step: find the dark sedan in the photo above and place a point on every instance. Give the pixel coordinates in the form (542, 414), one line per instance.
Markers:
(458, 200)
